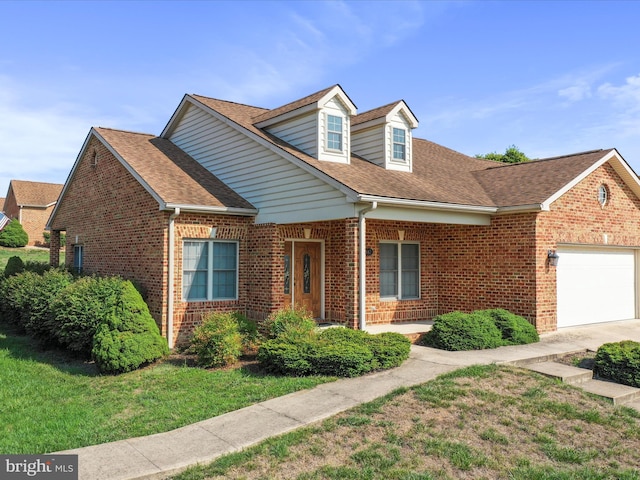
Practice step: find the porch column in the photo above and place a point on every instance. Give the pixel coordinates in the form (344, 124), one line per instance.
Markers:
(54, 248)
(351, 278)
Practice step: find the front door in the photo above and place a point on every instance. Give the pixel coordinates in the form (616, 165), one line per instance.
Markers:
(303, 276)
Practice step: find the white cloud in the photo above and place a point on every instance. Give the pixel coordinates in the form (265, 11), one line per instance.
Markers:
(577, 92)
(626, 96)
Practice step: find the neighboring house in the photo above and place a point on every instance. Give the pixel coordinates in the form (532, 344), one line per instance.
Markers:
(31, 203)
(1, 205)
(235, 207)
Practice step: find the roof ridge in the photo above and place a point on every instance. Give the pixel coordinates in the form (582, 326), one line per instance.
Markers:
(125, 131)
(33, 181)
(291, 106)
(540, 160)
(228, 101)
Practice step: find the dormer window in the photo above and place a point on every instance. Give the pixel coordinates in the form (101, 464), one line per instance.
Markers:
(399, 144)
(334, 132)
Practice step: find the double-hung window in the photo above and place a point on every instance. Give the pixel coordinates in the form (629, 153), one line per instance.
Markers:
(399, 144)
(400, 270)
(209, 270)
(334, 132)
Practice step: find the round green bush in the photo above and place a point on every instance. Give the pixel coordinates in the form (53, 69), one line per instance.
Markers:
(290, 325)
(128, 337)
(40, 322)
(515, 330)
(463, 331)
(81, 307)
(619, 361)
(13, 235)
(285, 358)
(341, 359)
(14, 266)
(217, 341)
(389, 349)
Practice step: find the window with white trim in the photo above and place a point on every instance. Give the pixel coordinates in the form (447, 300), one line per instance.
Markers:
(334, 132)
(399, 270)
(399, 144)
(78, 258)
(209, 270)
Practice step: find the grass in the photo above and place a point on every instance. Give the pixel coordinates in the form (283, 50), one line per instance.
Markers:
(486, 422)
(26, 254)
(52, 402)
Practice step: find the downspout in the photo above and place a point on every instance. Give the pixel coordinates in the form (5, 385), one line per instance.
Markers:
(171, 279)
(362, 290)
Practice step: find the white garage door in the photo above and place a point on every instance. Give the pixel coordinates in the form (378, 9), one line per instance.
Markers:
(595, 286)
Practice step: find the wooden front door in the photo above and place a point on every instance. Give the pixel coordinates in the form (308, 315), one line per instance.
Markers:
(303, 276)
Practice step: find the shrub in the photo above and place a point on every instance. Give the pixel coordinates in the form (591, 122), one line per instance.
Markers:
(13, 235)
(346, 359)
(37, 267)
(248, 329)
(14, 266)
(515, 330)
(620, 362)
(15, 297)
(217, 341)
(389, 349)
(463, 331)
(290, 325)
(278, 356)
(39, 321)
(129, 336)
(47, 239)
(81, 307)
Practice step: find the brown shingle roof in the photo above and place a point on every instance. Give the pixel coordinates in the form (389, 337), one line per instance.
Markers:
(172, 174)
(289, 107)
(374, 113)
(534, 182)
(35, 194)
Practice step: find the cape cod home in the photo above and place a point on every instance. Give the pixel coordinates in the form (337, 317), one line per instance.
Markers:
(235, 207)
(31, 203)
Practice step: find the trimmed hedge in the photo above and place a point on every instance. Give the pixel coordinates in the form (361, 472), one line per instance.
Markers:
(335, 352)
(619, 361)
(290, 324)
(128, 337)
(15, 295)
(479, 330)
(14, 266)
(217, 341)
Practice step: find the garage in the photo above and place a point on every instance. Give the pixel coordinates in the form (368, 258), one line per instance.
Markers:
(595, 286)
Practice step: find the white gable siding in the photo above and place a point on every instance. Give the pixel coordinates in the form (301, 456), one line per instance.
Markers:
(334, 107)
(281, 191)
(301, 132)
(369, 144)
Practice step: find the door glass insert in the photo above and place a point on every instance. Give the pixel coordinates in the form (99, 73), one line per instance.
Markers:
(287, 274)
(306, 272)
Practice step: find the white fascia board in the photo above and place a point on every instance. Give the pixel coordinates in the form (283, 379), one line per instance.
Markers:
(245, 212)
(279, 151)
(534, 207)
(618, 163)
(67, 182)
(338, 92)
(175, 118)
(449, 207)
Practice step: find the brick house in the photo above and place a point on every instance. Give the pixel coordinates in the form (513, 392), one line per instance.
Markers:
(31, 203)
(235, 207)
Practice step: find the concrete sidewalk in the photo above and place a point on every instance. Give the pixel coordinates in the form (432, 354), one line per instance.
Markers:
(158, 456)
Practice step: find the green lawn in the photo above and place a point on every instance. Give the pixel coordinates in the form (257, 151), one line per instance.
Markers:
(51, 402)
(32, 254)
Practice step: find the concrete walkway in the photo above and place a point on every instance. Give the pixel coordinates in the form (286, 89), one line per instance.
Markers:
(158, 456)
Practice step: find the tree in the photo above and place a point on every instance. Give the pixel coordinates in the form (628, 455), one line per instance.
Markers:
(511, 155)
(13, 235)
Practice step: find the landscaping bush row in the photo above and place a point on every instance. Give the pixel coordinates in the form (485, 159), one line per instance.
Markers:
(101, 318)
(620, 362)
(296, 347)
(479, 330)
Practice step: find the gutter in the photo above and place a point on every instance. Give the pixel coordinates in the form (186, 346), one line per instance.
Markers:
(171, 279)
(362, 289)
(447, 207)
(208, 209)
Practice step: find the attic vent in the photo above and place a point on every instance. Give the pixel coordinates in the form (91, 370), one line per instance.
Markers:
(94, 159)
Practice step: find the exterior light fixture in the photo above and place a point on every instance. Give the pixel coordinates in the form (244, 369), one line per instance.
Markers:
(553, 258)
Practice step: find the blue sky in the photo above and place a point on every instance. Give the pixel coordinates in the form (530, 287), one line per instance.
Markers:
(550, 77)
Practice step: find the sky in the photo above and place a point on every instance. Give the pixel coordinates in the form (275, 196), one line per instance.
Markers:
(552, 78)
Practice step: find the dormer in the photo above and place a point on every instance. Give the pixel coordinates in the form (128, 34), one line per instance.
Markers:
(383, 136)
(319, 125)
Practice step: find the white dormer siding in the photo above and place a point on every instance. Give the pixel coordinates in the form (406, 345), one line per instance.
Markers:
(334, 132)
(374, 139)
(301, 132)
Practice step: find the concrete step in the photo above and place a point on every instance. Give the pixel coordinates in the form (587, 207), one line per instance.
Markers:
(617, 393)
(565, 373)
